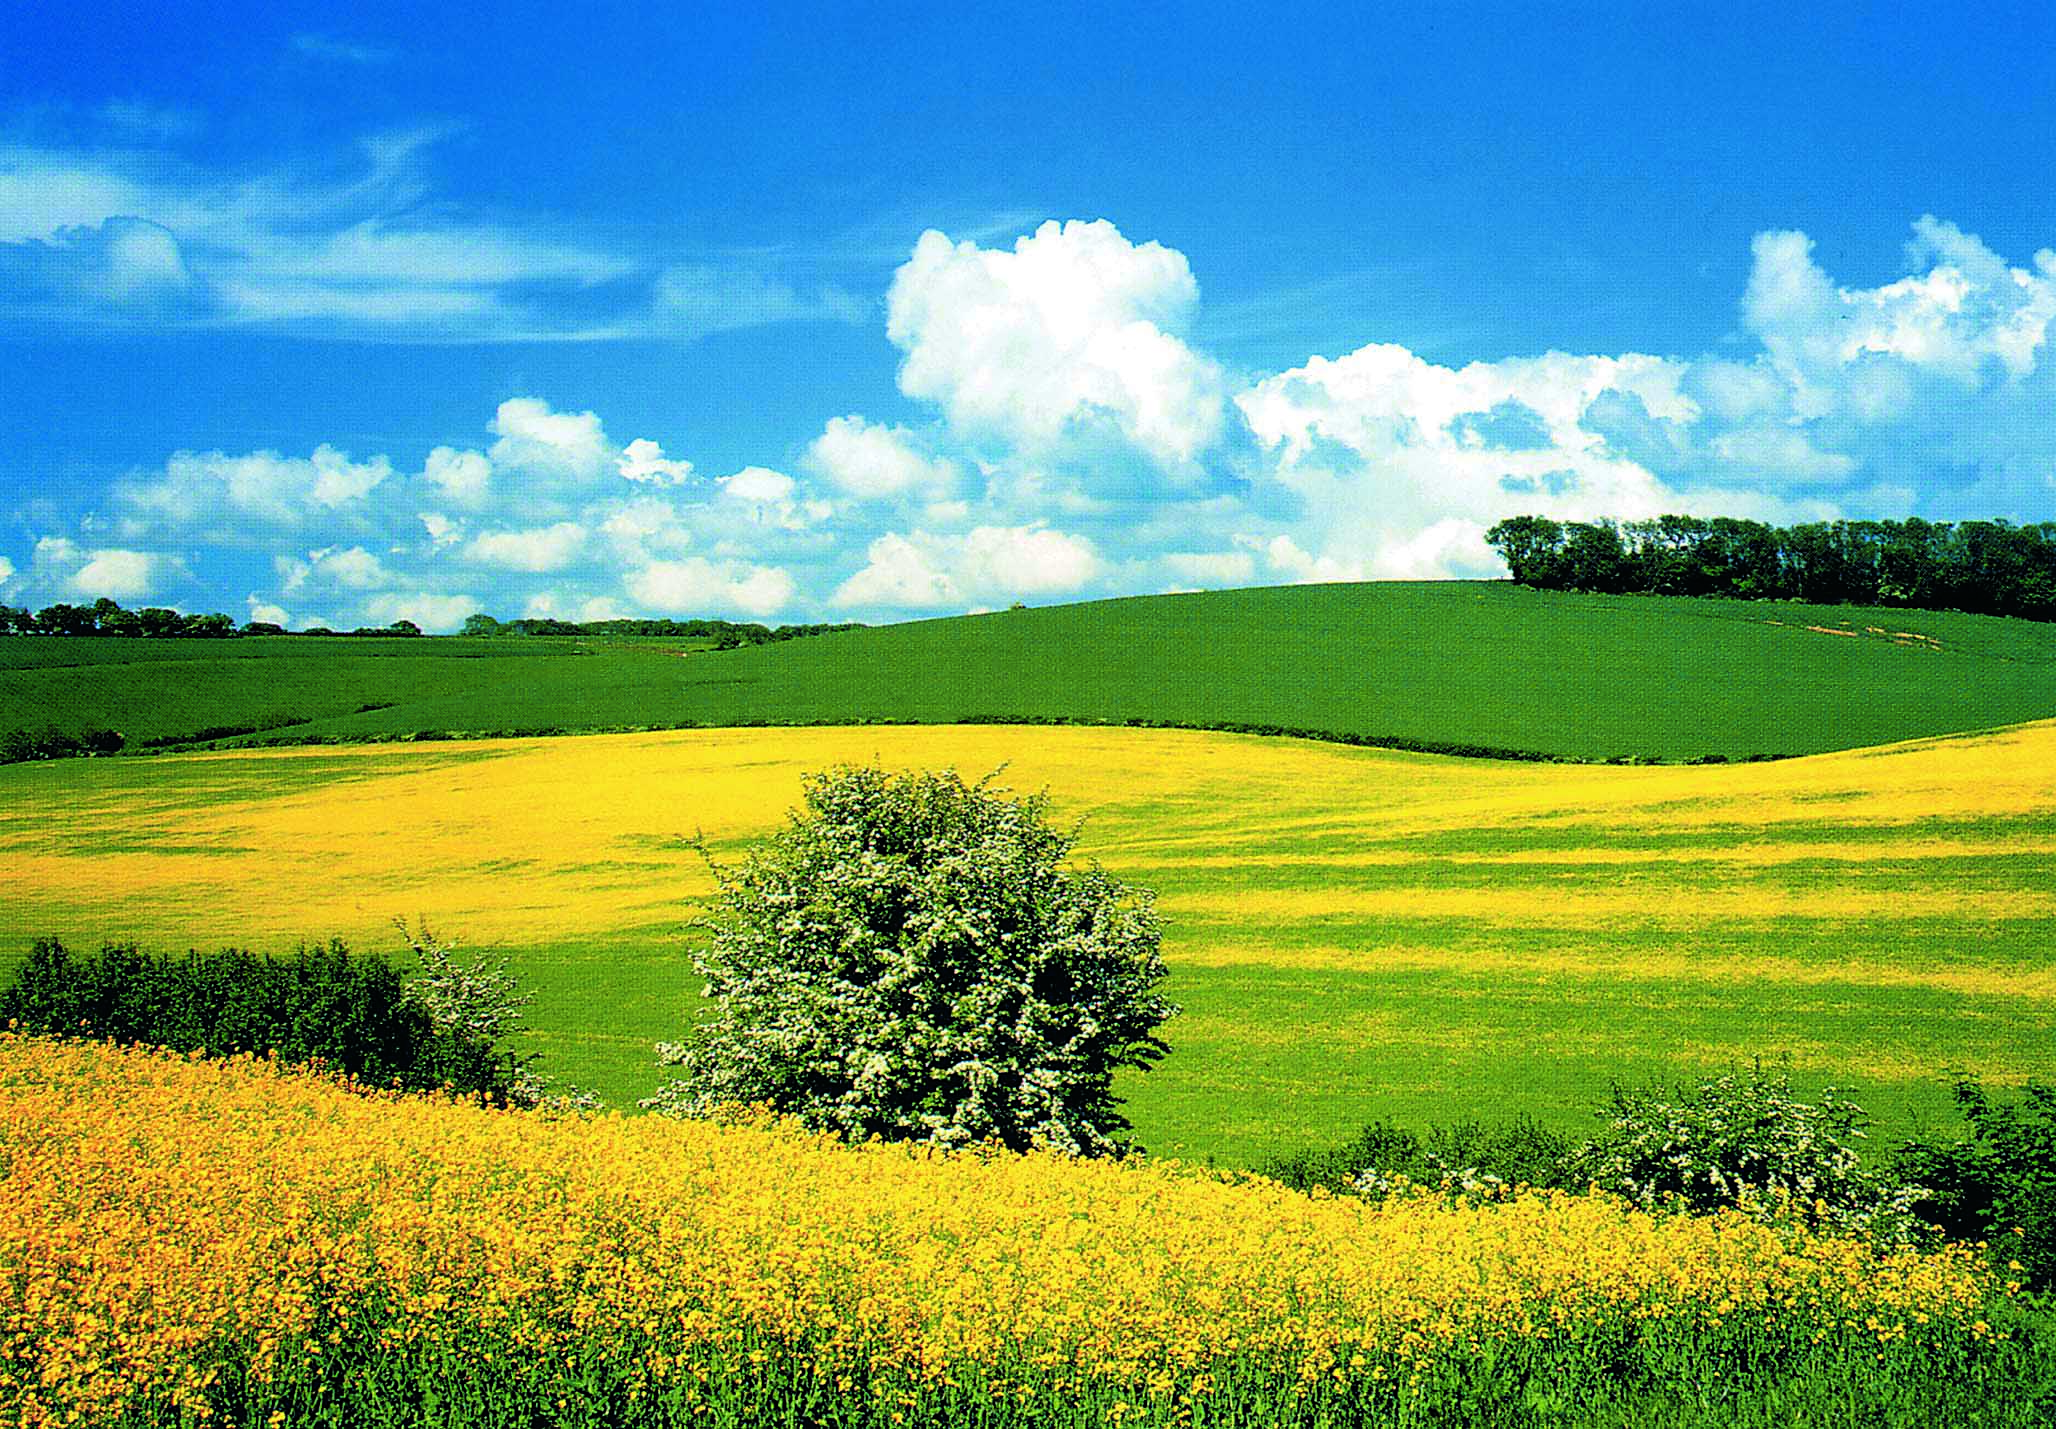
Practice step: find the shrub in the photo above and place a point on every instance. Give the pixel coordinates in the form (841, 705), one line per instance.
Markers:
(1469, 1157)
(1741, 1141)
(1998, 1184)
(20, 745)
(911, 958)
(1380, 1147)
(1744, 1141)
(474, 1007)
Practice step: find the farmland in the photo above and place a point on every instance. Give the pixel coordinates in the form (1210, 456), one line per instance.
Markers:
(1351, 932)
(198, 1237)
(1449, 664)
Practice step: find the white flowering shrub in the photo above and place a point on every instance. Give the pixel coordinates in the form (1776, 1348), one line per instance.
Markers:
(913, 958)
(475, 1006)
(477, 999)
(1745, 1141)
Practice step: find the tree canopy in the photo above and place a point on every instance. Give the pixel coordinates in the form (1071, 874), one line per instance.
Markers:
(1984, 567)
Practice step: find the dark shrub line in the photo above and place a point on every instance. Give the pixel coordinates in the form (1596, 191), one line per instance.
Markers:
(319, 1005)
(727, 634)
(1744, 1138)
(1997, 1182)
(18, 746)
(226, 731)
(1404, 743)
(107, 617)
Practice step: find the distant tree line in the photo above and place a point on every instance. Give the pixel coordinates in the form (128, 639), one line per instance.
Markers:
(18, 746)
(1984, 567)
(106, 617)
(726, 634)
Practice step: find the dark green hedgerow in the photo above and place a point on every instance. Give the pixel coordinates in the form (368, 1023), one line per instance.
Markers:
(1745, 1139)
(18, 746)
(321, 1004)
(1402, 743)
(1997, 1182)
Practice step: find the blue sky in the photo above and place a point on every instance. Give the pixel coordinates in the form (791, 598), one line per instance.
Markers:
(338, 315)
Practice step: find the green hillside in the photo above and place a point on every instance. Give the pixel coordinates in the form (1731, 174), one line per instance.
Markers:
(1441, 663)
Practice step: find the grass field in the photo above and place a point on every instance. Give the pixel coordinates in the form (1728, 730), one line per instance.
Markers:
(1456, 663)
(1351, 932)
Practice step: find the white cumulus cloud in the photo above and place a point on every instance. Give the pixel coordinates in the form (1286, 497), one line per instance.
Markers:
(1967, 310)
(565, 605)
(1380, 445)
(567, 446)
(434, 613)
(1211, 568)
(1074, 325)
(644, 460)
(442, 531)
(759, 483)
(922, 570)
(1286, 557)
(200, 488)
(462, 475)
(760, 499)
(118, 574)
(352, 568)
(540, 548)
(871, 461)
(644, 527)
(1451, 549)
(698, 585)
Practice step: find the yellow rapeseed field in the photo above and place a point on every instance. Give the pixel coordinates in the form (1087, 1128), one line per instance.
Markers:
(1441, 933)
(527, 842)
(163, 1220)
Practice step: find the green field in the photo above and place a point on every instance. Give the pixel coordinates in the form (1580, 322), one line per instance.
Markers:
(1448, 663)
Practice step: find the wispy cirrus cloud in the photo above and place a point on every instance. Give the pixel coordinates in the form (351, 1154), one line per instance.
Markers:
(352, 244)
(157, 121)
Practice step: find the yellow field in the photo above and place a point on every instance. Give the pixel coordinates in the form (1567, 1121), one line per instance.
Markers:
(1343, 924)
(161, 1212)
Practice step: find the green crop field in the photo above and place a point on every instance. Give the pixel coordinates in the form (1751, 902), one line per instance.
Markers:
(1446, 663)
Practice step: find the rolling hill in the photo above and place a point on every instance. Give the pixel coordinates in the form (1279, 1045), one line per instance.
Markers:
(1473, 666)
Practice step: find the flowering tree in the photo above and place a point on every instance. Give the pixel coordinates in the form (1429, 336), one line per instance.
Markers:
(912, 958)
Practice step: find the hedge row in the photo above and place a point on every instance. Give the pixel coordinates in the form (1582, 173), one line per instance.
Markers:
(1405, 743)
(320, 1005)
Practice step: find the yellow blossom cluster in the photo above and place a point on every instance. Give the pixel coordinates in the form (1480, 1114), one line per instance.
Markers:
(162, 1218)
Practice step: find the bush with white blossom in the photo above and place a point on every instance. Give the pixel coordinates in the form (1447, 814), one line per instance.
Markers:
(915, 958)
(1745, 1141)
